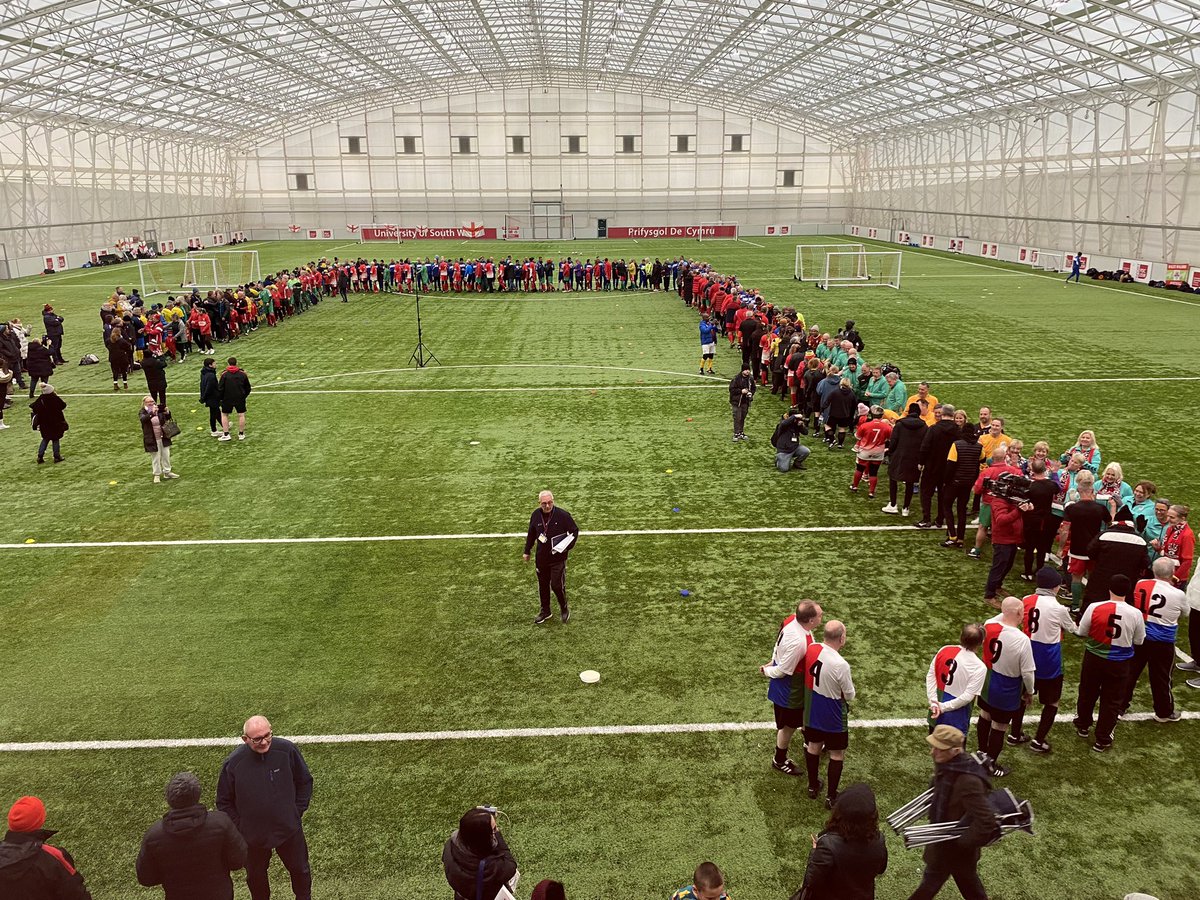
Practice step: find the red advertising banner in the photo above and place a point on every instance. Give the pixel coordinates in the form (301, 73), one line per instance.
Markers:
(855, 230)
(957, 244)
(406, 233)
(1196, 279)
(642, 232)
(1177, 273)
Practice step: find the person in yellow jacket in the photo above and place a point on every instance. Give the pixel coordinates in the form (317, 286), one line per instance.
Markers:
(926, 401)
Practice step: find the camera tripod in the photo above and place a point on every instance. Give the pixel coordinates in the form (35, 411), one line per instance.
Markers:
(422, 356)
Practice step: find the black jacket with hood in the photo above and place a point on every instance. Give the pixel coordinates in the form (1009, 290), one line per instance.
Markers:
(191, 852)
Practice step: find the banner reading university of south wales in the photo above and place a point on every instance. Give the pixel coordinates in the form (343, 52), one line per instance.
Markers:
(404, 233)
(671, 231)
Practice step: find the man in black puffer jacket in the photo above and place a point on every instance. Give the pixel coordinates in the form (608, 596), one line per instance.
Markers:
(191, 850)
(935, 447)
(476, 858)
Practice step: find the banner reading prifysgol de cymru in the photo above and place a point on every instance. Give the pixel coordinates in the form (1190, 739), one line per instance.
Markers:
(671, 231)
(422, 233)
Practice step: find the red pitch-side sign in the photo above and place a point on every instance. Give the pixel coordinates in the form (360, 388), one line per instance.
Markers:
(405, 233)
(671, 231)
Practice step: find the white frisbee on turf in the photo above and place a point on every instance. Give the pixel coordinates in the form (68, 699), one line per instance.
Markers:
(589, 676)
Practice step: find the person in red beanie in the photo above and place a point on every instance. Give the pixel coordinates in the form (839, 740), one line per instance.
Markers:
(29, 867)
(547, 889)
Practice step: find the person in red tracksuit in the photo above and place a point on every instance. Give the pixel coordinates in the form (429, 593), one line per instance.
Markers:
(1008, 532)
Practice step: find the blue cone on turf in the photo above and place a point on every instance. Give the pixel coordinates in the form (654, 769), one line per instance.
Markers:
(684, 592)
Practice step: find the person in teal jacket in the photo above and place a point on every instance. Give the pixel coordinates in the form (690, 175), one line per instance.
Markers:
(877, 388)
(897, 394)
(839, 355)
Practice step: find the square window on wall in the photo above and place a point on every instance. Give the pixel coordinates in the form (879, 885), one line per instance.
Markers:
(629, 143)
(737, 143)
(518, 143)
(300, 181)
(354, 145)
(465, 144)
(684, 143)
(787, 178)
(408, 144)
(574, 143)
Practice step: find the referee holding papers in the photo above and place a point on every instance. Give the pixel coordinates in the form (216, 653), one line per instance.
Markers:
(554, 532)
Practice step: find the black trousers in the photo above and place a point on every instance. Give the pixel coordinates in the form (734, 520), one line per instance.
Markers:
(214, 416)
(293, 853)
(158, 392)
(552, 578)
(930, 484)
(946, 861)
(56, 348)
(1104, 680)
(1159, 656)
(1039, 538)
(955, 497)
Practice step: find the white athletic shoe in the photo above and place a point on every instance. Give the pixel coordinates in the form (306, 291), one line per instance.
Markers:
(3, 426)
(891, 509)
(215, 433)
(224, 437)
(157, 479)
(904, 512)
(241, 435)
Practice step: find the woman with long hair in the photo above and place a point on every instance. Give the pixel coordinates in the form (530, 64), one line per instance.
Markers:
(849, 854)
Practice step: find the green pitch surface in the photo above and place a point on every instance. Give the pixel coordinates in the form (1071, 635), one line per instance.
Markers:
(597, 397)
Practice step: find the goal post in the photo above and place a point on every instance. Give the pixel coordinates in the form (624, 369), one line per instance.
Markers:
(379, 234)
(861, 269)
(717, 231)
(172, 275)
(514, 229)
(810, 258)
(236, 267)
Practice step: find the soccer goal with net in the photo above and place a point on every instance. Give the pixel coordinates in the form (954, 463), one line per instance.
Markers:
(717, 231)
(236, 267)
(862, 269)
(810, 258)
(172, 275)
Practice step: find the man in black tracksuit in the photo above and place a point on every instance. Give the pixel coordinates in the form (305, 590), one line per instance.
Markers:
(548, 526)
(741, 393)
(265, 787)
(934, 449)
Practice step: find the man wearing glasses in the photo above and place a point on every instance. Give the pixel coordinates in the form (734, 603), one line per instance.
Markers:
(265, 787)
(554, 532)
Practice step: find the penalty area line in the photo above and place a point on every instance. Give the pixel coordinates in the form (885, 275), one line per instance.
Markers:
(486, 536)
(400, 737)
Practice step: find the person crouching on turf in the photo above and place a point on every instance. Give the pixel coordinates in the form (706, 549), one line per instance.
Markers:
(789, 451)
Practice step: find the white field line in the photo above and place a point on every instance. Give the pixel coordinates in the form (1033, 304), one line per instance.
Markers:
(474, 390)
(492, 366)
(751, 243)
(485, 536)
(398, 737)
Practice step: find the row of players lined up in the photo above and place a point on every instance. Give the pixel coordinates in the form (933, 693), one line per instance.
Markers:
(487, 275)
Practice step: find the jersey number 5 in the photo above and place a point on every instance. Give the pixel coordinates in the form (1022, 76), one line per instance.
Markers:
(1113, 631)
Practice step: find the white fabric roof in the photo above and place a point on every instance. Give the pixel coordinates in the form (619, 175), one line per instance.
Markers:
(221, 68)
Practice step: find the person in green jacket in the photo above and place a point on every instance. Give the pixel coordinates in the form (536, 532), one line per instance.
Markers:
(838, 356)
(853, 372)
(825, 349)
(897, 394)
(877, 387)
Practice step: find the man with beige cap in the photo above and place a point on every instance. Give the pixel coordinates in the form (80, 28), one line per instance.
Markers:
(960, 789)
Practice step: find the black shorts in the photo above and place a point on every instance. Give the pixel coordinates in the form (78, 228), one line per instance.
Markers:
(227, 408)
(833, 740)
(841, 422)
(788, 718)
(1049, 690)
(999, 716)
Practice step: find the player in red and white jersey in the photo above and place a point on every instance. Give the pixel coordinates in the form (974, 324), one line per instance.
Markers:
(1112, 628)
(786, 691)
(954, 680)
(870, 448)
(1008, 655)
(1045, 620)
(828, 691)
(1161, 604)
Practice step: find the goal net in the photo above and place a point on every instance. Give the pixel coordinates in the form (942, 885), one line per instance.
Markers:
(373, 234)
(514, 229)
(862, 269)
(810, 258)
(717, 231)
(235, 267)
(170, 276)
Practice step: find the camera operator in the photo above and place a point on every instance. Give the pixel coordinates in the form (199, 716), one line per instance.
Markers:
(786, 441)
(476, 858)
(1009, 499)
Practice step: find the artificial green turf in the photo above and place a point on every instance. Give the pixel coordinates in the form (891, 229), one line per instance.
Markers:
(345, 638)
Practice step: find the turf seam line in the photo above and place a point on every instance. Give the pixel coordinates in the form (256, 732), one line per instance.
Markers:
(495, 535)
(397, 737)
